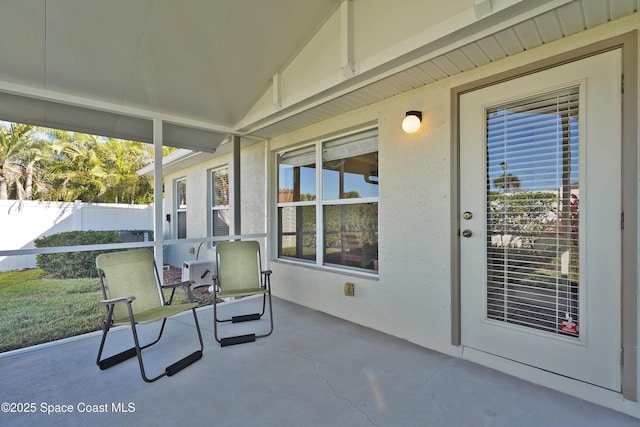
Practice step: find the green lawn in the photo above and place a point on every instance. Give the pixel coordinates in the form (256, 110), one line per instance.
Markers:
(35, 310)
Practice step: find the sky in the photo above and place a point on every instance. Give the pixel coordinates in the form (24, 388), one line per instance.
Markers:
(531, 147)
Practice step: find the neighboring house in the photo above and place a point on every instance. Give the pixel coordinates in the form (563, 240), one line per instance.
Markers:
(343, 194)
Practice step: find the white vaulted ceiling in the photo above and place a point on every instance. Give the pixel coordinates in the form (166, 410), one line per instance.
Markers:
(199, 62)
(205, 66)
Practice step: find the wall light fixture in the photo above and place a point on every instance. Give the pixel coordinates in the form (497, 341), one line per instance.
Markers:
(411, 122)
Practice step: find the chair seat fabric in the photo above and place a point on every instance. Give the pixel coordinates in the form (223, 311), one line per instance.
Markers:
(241, 292)
(155, 314)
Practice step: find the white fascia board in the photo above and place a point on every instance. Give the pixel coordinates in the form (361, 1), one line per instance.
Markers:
(177, 160)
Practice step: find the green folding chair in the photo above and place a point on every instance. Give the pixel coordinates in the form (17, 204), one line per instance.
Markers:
(133, 295)
(239, 274)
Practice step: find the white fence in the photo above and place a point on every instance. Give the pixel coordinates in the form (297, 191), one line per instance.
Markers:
(21, 224)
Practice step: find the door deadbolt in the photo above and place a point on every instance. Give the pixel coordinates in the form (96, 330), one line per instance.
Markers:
(467, 215)
(467, 233)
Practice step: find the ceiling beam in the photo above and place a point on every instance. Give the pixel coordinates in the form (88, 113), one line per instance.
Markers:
(92, 104)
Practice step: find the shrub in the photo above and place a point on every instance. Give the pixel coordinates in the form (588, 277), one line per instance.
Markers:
(73, 265)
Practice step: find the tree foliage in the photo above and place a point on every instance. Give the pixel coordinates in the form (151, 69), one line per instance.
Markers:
(525, 214)
(13, 141)
(507, 182)
(46, 164)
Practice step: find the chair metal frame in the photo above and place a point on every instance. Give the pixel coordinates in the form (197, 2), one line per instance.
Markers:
(263, 288)
(166, 309)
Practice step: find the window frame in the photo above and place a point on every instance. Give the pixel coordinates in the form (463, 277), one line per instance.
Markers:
(320, 203)
(213, 207)
(178, 208)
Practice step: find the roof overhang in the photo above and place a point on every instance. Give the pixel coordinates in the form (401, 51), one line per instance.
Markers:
(176, 161)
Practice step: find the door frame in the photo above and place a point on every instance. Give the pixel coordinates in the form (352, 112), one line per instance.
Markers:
(628, 44)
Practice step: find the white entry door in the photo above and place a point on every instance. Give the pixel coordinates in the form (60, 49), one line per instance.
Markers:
(540, 219)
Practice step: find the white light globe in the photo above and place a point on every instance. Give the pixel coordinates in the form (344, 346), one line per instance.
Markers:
(411, 124)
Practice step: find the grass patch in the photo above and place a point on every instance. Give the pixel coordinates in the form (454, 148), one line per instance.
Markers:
(35, 309)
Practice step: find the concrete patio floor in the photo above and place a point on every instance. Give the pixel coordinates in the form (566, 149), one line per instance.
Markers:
(315, 370)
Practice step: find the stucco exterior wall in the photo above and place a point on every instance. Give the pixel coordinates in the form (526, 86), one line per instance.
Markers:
(253, 194)
(412, 297)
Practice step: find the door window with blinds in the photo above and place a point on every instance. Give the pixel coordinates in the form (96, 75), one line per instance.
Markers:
(220, 219)
(533, 212)
(339, 228)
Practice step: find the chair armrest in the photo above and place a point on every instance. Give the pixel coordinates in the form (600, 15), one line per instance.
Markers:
(175, 285)
(127, 299)
(266, 282)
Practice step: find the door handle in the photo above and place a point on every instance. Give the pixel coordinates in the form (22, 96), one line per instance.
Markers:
(466, 233)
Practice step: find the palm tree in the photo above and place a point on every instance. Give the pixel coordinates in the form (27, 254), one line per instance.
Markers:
(507, 182)
(12, 141)
(96, 169)
(54, 164)
(36, 151)
(122, 160)
(78, 173)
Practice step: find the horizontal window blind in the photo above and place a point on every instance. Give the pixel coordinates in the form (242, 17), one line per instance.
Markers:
(221, 221)
(300, 157)
(351, 146)
(532, 148)
(220, 178)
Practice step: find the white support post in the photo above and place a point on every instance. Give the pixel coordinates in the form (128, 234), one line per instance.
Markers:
(158, 229)
(482, 8)
(277, 90)
(347, 63)
(237, 202)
